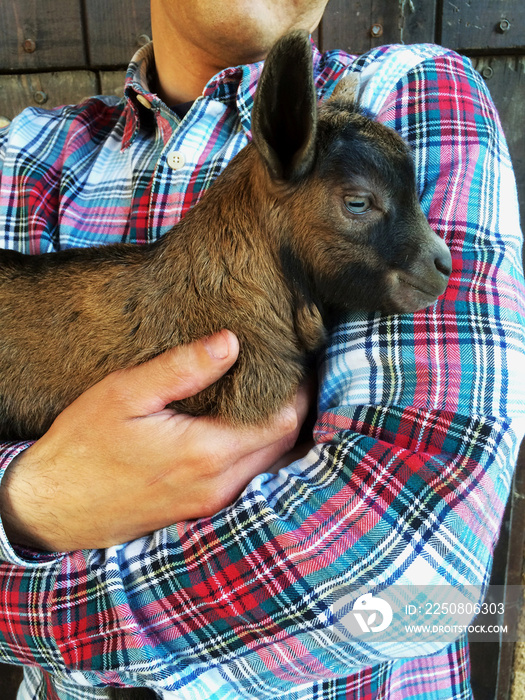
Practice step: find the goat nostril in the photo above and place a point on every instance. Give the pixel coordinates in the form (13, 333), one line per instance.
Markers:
(443, 264)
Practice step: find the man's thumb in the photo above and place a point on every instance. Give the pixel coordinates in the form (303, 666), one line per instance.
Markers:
(178, 373)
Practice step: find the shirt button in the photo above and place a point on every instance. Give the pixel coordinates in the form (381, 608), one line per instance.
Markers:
(176, 160)
(144, 101)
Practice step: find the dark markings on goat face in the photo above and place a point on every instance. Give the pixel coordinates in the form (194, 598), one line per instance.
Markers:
(370, 243)
(318, 215)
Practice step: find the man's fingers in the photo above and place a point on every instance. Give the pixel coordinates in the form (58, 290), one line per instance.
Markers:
(177, 373)
(271, 440)
(272, 456)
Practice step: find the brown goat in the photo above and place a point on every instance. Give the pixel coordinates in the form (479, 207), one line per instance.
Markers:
(318, 213)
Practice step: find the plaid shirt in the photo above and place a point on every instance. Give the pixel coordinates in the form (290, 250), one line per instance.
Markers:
(420, 416)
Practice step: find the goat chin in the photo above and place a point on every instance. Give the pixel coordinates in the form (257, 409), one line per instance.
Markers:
(411, 293)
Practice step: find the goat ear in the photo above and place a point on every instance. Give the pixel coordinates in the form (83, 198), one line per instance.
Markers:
(284, 116)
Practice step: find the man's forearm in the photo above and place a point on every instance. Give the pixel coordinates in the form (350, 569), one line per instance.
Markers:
(18, 509)
(116, 465)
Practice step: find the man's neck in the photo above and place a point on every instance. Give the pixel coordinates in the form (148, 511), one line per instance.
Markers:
(181, 73)
(183, 67)
(187, 59)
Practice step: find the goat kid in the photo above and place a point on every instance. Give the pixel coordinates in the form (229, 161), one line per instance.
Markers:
(319, 213)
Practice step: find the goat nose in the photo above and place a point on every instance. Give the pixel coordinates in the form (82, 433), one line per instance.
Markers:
(443, 263)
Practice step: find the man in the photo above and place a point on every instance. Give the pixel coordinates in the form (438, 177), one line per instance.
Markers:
(420, 416)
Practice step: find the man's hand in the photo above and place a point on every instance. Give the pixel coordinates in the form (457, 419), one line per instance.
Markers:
(116, 464)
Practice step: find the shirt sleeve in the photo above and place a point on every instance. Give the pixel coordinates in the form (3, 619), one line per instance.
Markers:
(419, 424)
(9, 450)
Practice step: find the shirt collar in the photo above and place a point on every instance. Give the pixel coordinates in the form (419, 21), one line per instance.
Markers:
(234, 86)
(140, 101)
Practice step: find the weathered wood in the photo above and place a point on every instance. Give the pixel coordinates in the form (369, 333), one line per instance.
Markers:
(492, 662)
(483, 25)
(10, 679)
(112, 82)
(505, 79)
(116, 30)
(364, 24)
(514, 576)
(40, 34)
(45, 90)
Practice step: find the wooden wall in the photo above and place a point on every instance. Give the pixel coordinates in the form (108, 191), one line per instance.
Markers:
(58, 51)
(54, 52)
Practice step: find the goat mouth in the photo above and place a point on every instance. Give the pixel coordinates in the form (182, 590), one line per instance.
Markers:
(421, 290)
(413, 294)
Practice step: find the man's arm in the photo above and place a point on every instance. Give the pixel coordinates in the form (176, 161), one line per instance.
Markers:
(117, 465)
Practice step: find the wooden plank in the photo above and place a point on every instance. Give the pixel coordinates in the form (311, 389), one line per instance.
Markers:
(505, 79)
(484, 656)
(512, 662)
(40, 34)
(492, 662)
(483, 24)
(116, 30)
(360, 25)
(112, 82)
(10, 679)
(45, 90)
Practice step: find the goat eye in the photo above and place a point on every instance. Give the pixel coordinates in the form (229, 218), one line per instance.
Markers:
(357, 205)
